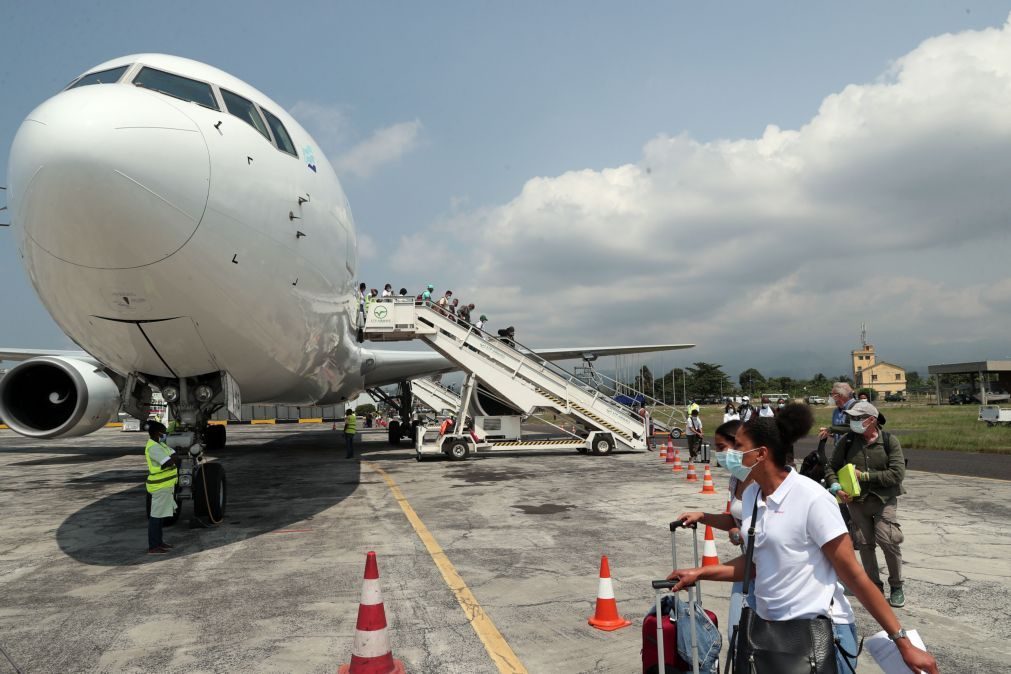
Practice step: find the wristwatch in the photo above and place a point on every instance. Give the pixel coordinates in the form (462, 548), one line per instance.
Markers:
(901, 634)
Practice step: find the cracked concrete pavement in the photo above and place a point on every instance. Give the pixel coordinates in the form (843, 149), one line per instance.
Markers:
(276, 587)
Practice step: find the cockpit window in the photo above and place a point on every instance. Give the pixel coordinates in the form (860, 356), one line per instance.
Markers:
(176, 86)
(244, 110)
(109, 76)
(281, 137)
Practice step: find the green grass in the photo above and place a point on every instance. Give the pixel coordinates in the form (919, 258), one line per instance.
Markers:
(947, 428)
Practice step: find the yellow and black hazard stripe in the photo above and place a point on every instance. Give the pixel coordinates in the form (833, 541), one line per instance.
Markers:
(528, 443)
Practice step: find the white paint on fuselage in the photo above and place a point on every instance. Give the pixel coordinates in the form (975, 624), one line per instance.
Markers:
(130, 205)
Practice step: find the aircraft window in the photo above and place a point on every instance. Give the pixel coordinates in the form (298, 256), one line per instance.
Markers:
(103, 77)
(281, 137)
(177, 87)
(244, 110)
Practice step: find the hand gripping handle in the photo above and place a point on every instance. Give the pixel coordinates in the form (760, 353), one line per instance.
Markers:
(676, 524)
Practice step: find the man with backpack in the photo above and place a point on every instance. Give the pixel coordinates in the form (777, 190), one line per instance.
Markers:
(880, 469)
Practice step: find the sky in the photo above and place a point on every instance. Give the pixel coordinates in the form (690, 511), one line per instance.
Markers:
(758, 179)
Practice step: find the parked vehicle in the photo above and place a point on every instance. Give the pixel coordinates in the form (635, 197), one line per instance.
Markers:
(817, 400)
(960, 399)
(896, 397)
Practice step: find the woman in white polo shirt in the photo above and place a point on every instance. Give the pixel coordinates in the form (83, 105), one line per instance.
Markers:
(802, 546)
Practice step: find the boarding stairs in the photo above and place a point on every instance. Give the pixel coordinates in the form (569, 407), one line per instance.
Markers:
(436, 396)
(515, 373)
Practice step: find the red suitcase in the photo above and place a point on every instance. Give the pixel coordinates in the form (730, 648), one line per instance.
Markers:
(672, 660)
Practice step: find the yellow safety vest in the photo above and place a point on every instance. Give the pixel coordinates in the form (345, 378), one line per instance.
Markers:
(350, 422)
(158, 477)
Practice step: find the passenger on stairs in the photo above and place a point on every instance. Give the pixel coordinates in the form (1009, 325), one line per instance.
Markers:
(387, 290)
(426, 295)
(443, 304)
(454, 307)
(464, 312)
(481, 321)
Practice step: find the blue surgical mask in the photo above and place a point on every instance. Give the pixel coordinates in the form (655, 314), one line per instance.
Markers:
(735, 465)
(857, 426)
(721, 458)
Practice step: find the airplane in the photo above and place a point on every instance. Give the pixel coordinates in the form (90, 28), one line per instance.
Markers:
(189, 235)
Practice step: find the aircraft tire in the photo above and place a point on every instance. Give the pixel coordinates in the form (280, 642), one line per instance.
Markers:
(394, 432)
(215, 493)
(166, 521)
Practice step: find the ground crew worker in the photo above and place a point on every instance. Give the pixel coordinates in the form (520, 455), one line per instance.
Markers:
(162, 475)
(880, 470)
(350, 428)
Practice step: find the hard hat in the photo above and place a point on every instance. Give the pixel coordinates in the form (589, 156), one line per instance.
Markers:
(746, 398)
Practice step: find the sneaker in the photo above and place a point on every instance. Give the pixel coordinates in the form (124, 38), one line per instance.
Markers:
(167, 546)
(157, 551)
(897, 598)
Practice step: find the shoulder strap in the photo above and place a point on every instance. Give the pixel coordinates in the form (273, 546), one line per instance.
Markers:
(749, 555)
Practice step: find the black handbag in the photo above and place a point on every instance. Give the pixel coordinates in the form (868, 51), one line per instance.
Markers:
(759, 646)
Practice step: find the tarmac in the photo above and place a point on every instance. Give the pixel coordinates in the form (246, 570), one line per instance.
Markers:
(275, 587)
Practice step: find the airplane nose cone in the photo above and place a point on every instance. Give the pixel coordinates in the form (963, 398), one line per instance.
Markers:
(109, 176)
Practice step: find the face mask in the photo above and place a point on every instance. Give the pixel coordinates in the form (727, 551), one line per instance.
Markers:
(735, 466)
(721, 458)
(857, 426)
(163, 438)
(782, 405)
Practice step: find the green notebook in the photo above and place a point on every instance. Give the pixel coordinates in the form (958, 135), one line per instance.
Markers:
(848, 480)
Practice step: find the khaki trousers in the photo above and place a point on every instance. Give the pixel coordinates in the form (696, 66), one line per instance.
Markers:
(875, 523)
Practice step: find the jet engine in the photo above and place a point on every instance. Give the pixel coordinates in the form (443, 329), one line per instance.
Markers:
(51, 396)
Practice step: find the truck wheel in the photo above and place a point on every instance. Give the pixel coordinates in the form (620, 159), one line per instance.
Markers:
(216, 437)
(213, 494)
(166, 521)
(602, 446)
(458, 450)
(394, 432)
(676, 433)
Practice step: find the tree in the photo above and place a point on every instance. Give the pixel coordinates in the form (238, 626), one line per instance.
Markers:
(707, 379)
(751, 379)
(644, 381)
(914, 381)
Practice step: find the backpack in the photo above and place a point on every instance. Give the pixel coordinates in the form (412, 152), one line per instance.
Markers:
(814, 463)
(886, 440)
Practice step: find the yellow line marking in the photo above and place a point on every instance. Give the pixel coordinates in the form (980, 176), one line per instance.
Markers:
(4, 427)
(311, 421)
(223, 422)
(263, 422)
(114, 424)
(496, 645)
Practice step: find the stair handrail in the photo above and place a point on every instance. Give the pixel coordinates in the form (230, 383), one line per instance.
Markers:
(528, 353)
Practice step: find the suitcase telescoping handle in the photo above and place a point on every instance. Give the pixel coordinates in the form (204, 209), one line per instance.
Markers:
(674, 526)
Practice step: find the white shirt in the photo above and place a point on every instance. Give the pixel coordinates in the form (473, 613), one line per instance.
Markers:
(731, 416)
(766, 412)
(794, 579)
(694, 426)
(387, 293)
(479, 325)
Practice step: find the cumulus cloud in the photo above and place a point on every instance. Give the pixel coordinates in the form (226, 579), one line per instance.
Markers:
(333, 128)
(386, 145)
(771, 246)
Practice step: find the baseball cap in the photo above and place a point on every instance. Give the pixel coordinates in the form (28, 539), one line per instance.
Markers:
(861, 409)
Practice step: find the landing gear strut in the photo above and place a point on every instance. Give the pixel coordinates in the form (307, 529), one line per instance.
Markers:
(192, 401)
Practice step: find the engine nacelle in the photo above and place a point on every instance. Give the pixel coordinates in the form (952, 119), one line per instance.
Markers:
(50, 397)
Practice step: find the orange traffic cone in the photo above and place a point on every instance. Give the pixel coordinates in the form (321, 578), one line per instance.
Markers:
(676, 468)
(691, 476)
(707, 482)
(671, 451)
(709, 557)
(727, 509)
(370, 651)
(663, 453)
(606, 617)
(334, 427)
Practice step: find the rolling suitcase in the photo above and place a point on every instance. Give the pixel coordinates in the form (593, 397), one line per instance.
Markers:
(660, 634)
